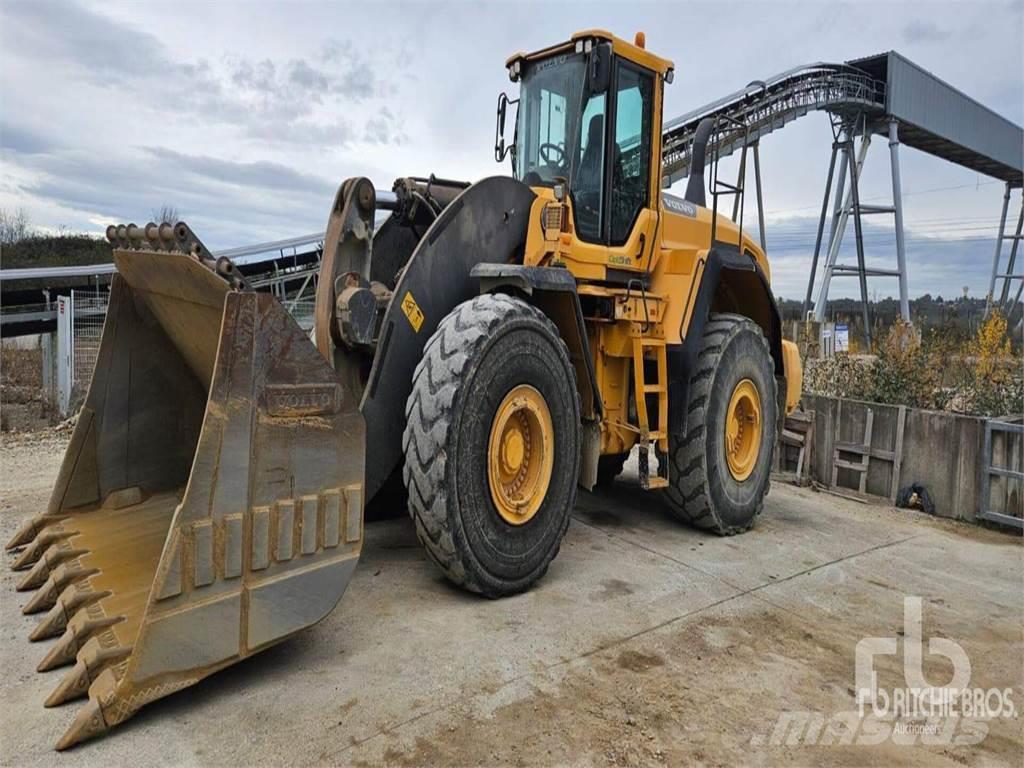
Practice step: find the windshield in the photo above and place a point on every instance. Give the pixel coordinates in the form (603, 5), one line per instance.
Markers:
(549, 110)
(560, 133)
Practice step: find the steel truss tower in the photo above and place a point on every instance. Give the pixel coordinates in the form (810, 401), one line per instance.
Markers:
(851, 158)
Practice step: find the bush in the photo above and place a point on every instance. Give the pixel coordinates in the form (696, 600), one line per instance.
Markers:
(905, 373)
(56, 251)
(995, 381)
(981, 376)
(839, 376)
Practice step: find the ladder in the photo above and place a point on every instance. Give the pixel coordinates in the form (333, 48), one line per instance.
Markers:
(643, 388)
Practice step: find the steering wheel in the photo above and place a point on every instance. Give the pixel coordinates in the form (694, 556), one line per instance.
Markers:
(546, 147)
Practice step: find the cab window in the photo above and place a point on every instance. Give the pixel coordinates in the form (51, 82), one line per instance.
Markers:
(631, 162)
(587, 174)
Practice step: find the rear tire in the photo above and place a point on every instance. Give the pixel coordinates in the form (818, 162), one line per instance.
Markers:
(481, 352)
(706, 490)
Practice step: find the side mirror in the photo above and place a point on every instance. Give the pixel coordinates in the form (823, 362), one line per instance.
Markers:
(599, 68)
(499, 129)
(500, 150)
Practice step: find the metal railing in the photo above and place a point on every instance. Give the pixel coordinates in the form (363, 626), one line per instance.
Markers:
(25, 313)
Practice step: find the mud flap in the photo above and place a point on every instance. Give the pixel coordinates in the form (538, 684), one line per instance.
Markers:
(210, 501)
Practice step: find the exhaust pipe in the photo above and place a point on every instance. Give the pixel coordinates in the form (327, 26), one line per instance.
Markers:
(695, 185)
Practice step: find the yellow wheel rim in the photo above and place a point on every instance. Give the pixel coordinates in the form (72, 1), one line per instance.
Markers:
(743, 430)
(520, 454)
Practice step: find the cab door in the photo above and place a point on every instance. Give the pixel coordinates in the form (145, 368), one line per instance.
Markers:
(630, 218)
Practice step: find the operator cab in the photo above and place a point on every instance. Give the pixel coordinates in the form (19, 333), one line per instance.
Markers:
(588, 125)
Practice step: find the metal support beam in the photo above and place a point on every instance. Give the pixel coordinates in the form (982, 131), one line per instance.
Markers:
(1009, 309)
(821, 230)
(1004, 298)
(302, 290)
(999, 248)
(859, 236)
(839, 223)
(841, 270)
(897, 203)
(760, 198)
(741, 182)
(841, 203)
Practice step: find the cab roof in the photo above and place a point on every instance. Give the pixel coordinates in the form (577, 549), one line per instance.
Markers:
(620, 47)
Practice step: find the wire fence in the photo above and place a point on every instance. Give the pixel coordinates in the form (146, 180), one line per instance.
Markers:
(86, 327)
(302, 310)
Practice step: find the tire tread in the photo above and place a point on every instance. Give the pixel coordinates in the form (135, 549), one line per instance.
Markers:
(430, 413)
(688, 495)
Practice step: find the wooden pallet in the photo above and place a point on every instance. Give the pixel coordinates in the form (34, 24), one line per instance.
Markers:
(866, 452)
(797, 431)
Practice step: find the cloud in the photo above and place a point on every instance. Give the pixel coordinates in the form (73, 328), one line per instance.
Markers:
(308, 78)
(22, 140)
(94, 45)
(293, 101)
(296, 85)
(384, 128)
(304, 133)
(262, 174)
(357, 77)
(918, 31)
(262, 199)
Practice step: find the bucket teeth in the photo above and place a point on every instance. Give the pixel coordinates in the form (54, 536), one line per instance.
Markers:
(74, 685)
(53, 624)
(71, 599)
(91, 661)
(80, 629)
(54, 556)
(44, 598)
(35, 577)
(31, 529)
(62, 653)
(88, 724)
(64, 574)
(39, 545)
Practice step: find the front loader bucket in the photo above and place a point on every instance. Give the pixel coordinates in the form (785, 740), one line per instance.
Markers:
(210, 501)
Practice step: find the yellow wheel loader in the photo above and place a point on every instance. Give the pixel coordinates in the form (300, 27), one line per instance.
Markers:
(488, 346)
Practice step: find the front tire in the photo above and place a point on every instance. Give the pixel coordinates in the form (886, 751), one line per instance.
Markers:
(721, 442)
(492, 445)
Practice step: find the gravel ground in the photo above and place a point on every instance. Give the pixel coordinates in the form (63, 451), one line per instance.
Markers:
(647, 643)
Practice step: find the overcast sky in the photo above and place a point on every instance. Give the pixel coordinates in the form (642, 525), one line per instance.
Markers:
(246, 116)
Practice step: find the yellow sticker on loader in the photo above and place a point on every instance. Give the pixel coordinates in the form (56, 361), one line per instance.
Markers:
(412, 311)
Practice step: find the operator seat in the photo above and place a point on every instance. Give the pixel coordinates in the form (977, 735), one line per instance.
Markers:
(588, 180)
